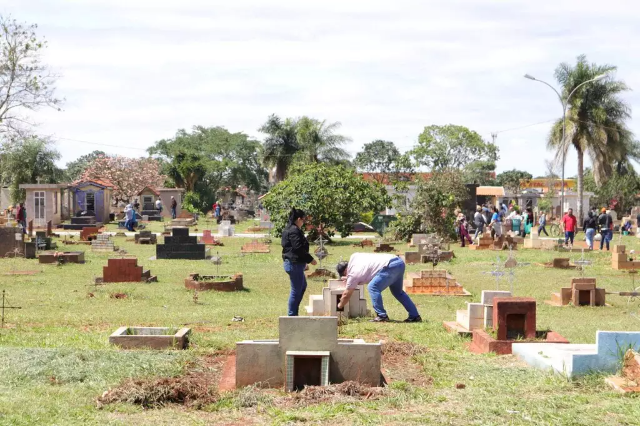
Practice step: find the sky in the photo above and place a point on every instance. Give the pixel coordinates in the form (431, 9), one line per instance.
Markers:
(133, 72)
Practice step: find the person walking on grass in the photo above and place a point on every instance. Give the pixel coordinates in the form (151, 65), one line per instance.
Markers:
(479, 221)
(569, 223)
(462, 229)
(130, 218)
(542, 222)
(605, 223)
(174, 207)
(496, 223)
(381, 271)
(296, 257)
(589, 227)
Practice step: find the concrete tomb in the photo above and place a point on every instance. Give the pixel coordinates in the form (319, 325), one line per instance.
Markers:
(43, 242)
(180, 245)
(83, 219)
(514, 319)
(150, 337)
(146, 237)
(255, 247)
(436, 282)
(214, 282)
(61, 257)
(226, 229)
(11, 242)
(125, 270)
(308, 353)
(477, 315)
(503, 242)
(326, 304)
(535, 242)
(103, 243)
(621, 260)
(583, 292)
(383, 248)
(579, 359)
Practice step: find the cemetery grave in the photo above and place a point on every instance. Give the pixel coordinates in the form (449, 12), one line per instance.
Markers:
(433, 283)
(583, 292)
(61, 257)
(214, 282)
(76, 323)
(125, 270)
(620, 259)
(103, 243)
(209, 239)
(326, 304)
(255, 246)
(180, 245)
(150, 337)
(146, 237)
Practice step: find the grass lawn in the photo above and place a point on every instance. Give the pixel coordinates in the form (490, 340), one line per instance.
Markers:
(55, 359)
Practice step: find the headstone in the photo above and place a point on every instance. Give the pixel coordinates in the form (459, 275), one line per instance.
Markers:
(103, 243)
(145, 237)
(125, 271)
(11, 242)
(180, 245)
(49, 229)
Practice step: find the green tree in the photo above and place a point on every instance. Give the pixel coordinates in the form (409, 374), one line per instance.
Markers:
(595, 121)
(76, 167)
(26, 84)
(208, 159)
(319, 141)
(30, 160)
(432, 209)
(512, 180)
(280, 145)
(333, 197)
(382, 157)
(618, 192)
(481, 172)
(451, 147)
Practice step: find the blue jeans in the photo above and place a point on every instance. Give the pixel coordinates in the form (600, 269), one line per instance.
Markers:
(391, 276)
(605, 237)
(173, 213)
(541, 229)
(298, 285)
(479, 230)
(568, 236)
(591, 232)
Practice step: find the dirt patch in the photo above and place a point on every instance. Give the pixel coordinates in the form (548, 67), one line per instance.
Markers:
(197, 388)
(399, 363)
(118, 296)
(340, 393)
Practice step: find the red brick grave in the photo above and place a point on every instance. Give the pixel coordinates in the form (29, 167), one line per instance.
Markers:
(514, 319)
(209, 239)
(383, 248)
(89, 233)
(125, 270)
(213, 282)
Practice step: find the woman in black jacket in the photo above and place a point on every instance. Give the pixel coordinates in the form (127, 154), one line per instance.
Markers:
(295, 254)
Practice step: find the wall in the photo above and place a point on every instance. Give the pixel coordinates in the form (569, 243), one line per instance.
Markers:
(165, 197)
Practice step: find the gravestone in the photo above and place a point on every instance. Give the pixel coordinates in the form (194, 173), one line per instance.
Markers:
(125, 271)
(30, 228)
(89, 233)
(327, 302)
(11, 242)
(49, 229)
(145, 237)
(180, 245)
(103, 243)
(583, 292)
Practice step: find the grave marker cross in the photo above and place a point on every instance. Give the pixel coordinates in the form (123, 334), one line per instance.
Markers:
(6, 306)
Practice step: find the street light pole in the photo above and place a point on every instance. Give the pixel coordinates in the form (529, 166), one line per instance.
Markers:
(564, 104)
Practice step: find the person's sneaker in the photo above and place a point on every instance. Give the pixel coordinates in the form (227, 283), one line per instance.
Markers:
(416, 319)
(379, 319)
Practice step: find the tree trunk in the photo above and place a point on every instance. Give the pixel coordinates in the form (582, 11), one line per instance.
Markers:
(580, 185)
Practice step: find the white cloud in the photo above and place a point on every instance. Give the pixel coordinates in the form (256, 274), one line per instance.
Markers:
(136, 71)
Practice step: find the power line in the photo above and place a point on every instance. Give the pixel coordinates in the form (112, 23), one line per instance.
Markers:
(98, 144)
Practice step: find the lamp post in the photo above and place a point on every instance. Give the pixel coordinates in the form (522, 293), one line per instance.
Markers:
(564, 104)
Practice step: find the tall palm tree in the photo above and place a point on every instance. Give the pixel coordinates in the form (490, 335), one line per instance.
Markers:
(319, 141)
(280, 145)
(595, 121)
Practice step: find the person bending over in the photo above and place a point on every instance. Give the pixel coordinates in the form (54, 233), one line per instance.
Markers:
(295, 254)
(381, 271)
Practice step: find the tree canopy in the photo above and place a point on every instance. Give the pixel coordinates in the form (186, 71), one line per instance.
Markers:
(26, 84)
(512, 180)
(209, 158)
(595, 122)
(333, 197)
(452, 147)
(76, 167)
(28, 160)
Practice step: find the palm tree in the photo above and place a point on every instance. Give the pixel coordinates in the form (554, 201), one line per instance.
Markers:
(280, 145)
(595, 121)
(319, 141)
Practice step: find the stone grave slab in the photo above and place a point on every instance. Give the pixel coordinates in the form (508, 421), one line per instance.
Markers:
(477, 315)
(214, 282)
(65, 257)
(326, 304)
(574, 360)
(103, 243)
(180, 245)
(150, 337)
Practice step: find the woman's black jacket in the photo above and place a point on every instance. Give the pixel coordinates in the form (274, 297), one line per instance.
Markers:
(295, 246)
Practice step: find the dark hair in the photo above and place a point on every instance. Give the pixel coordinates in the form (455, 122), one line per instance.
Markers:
(294, 215)
(341, 267)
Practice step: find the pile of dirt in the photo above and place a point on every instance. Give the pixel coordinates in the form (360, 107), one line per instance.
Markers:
(118, 296)
(337, 393)
(192, 390)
